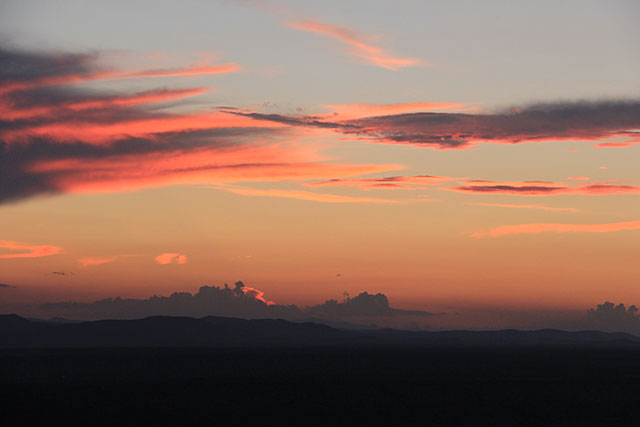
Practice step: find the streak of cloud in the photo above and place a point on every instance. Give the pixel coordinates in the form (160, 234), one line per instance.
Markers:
(359, 45)
(307, 195)
(26, 250)
(542, 188)
(513, 206)
(558, 228)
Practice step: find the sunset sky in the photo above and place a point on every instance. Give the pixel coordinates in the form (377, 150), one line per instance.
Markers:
(454, 155)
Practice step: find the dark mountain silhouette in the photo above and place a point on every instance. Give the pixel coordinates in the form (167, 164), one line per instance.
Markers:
(211, 331)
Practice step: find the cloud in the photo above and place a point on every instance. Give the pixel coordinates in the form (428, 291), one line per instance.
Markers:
(179, 72)
(387, 182)
(512, 206)
(358, 111)
(363, 305)
(5, 286)
(171, 258)
(542, 188)
(359, 45)
(26, 250)
(96, 260)
(30, 70)
(307, 195)
(614, 318)
(634, 138)
(244, 302)
(58, 138)
(558, 228)
(559, 121)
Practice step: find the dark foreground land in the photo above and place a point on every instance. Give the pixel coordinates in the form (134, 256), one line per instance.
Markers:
(472, 386)
(223, 371)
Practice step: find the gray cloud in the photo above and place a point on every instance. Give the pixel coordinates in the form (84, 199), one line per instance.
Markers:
(34, 94)
(614, 318)
(244, 302)
(588, 120)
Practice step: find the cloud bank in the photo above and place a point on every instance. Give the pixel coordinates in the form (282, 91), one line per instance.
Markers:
(57, 137)
(244, 302)
(610, 317)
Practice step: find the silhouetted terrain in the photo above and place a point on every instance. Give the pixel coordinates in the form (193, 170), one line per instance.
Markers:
(224, 371)
(211, 331)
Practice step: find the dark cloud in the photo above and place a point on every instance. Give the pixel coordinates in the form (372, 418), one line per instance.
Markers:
(541, 188)
(4, 285)
(581, 120)
(527, 189)
(43, 120)
(364, 304)
(614, 318)
(28, 67)
(305, 121)
(240, 301)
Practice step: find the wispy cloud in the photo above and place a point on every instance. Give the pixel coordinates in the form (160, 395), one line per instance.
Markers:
(542, 188)
(513, 206)
(307, 195)
(359, 45)
(388, 182)
(26, 250)
(558, 228)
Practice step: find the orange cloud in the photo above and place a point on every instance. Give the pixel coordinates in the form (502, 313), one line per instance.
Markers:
(12, 112)
(388, 182)
(171, 258)
(359, 44)
(91, 261)
(357, 111)
(95, 132)
(541, 207)
(558, 228)
(256, 294)
(306, 195)
(25, 250)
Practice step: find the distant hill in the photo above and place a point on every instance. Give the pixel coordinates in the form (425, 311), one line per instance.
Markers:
(211, 331)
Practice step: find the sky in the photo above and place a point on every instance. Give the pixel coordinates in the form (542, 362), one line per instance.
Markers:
(456, 156)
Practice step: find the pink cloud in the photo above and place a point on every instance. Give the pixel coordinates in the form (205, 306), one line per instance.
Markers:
(91, 261)
(558, 228)
(359, 45)
(25, 250)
